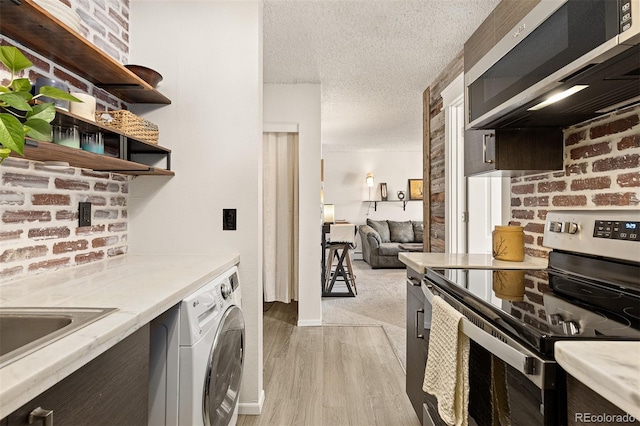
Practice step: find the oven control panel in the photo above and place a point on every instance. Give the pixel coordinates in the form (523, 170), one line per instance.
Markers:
(600, 232)
(617, 230)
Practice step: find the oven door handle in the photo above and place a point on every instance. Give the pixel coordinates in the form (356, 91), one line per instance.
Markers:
(523, 362)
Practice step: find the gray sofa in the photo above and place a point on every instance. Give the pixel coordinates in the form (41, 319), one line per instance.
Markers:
(381, 240)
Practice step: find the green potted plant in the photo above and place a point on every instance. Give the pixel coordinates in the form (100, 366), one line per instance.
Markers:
(20, 116)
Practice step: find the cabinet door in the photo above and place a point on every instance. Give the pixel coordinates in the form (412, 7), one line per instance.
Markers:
(583, 401)
(416, 347)
(479, 151)
(111, 390)
(513, 152)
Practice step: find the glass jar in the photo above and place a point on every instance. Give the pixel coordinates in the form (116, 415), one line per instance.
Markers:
(508, 243)
(68, 137)
(93, 142)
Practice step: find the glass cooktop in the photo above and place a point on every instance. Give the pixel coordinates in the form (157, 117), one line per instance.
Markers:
(541, 306)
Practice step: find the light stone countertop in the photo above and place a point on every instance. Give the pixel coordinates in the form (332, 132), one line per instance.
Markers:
(419, 262)
(140, 286)
(611, 369)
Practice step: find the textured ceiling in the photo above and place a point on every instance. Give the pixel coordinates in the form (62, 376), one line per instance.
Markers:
(373, 59)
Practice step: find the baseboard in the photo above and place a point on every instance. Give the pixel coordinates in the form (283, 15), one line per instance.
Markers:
(251, 408)
(310, 323)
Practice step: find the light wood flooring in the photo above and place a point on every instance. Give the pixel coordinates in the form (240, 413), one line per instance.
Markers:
(329, 376)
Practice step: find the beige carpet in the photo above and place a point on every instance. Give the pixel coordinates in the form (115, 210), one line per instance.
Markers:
(381, 300)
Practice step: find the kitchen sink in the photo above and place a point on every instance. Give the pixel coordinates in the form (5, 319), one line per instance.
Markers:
(24, 330)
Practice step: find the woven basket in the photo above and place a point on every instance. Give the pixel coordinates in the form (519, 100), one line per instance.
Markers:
(129, 124)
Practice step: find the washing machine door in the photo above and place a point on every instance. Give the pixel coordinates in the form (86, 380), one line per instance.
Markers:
(224, 369)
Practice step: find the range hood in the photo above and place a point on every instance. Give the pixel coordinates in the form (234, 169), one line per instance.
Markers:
(589, 47)
(610, 85)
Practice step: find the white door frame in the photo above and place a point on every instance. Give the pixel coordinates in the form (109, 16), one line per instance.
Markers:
(455, 182)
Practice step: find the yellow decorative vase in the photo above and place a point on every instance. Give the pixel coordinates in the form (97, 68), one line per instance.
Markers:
(508, 243)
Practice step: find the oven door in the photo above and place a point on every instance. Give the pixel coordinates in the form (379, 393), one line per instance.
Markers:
(526, 388)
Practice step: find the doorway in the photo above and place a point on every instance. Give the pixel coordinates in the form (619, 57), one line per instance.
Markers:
(280, 199)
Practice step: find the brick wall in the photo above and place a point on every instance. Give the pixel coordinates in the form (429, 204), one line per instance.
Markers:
(38, 204)
(601, 170)
(39, 217)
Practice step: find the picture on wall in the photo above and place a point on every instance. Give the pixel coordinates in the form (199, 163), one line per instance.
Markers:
(415, 189)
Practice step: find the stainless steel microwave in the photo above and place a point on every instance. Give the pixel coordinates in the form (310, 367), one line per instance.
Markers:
(587, 47)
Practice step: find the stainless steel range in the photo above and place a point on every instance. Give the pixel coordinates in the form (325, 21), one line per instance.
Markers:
(590, 290)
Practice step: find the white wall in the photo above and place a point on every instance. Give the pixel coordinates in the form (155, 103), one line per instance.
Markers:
(346, 188)
(210, 54)
(300, 103)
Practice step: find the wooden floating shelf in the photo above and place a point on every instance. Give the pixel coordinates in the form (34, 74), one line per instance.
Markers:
(125, 145)
(31, 25)
(49, 151)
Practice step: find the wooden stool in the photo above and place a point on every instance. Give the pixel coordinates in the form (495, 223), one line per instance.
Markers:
(343, 269)
(342, 239)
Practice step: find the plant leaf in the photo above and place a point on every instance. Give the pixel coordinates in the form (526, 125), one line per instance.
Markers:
(46, 112)
(16, 100)
(4, 153)
(55, 93)
(22, 85)
(11, 133)
(38, 129)
(4, 89)
(13, 59)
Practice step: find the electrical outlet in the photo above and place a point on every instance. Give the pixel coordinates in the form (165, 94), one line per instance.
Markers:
(229, 219)
(84, 214)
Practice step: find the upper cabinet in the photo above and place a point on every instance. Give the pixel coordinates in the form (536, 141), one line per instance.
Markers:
(512, 152)
(31, 25)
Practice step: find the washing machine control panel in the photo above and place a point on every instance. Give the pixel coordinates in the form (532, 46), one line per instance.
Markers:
(226, 289)
(233, 279)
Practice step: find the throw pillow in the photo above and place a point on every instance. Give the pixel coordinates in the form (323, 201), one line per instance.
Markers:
(382, 228)
(401, 232)
(418, 231)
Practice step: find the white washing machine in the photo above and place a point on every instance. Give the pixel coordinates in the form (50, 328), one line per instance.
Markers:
(197, 355)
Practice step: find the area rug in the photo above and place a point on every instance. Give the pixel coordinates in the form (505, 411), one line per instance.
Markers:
(381, 300)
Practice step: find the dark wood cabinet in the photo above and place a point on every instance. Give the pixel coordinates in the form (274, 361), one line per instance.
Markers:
(513, 152)
(113, 389)
(583, 402)
(416, 347)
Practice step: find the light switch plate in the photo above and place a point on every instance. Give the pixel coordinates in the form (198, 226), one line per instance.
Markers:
(229, 219)
(84, 214)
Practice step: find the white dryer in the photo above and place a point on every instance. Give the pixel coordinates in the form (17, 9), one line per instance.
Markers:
(203, 353)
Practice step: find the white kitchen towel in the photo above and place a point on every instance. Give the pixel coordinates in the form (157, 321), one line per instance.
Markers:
(446, 375)
(342, 233)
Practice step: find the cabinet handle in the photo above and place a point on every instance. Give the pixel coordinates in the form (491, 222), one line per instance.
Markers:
(414, 282)
(418, 335)
(484, 147)
(41, 415)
